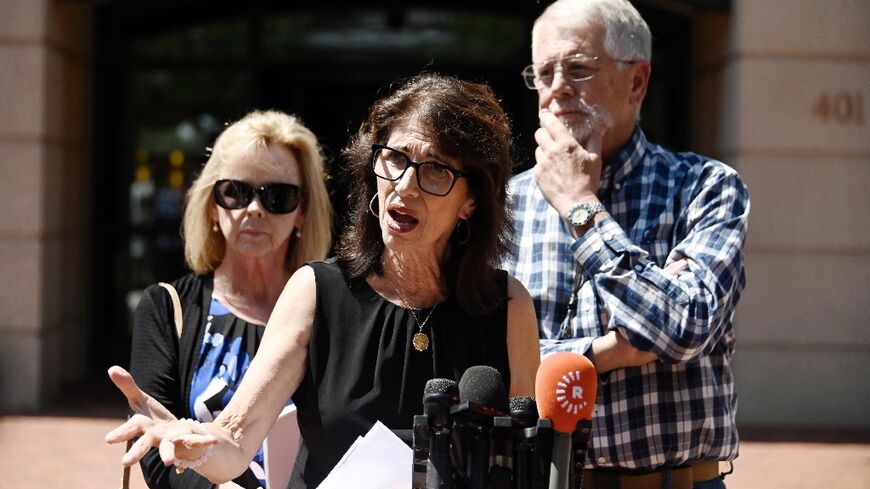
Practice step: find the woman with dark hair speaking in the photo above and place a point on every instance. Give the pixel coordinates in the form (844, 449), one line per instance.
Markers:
(413, 294)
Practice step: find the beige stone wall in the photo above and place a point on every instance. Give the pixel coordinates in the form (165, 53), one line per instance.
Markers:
(45, 52)
(761, 72)
(784, 96)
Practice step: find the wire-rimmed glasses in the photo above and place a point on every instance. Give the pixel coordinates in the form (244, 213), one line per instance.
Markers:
(576, 67)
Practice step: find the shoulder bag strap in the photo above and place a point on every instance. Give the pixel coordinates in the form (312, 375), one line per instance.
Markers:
(179, 325)
(176, 306)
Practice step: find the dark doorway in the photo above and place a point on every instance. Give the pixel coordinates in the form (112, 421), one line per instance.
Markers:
(170, 74)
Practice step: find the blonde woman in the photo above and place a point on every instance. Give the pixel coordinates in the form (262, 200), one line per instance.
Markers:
(258, 211)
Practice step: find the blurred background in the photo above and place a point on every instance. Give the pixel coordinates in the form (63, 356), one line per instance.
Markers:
(107, 108)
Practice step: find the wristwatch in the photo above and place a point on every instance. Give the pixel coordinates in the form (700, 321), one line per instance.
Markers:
(581, 213)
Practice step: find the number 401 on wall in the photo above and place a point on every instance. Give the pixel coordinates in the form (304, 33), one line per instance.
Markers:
(843, 106)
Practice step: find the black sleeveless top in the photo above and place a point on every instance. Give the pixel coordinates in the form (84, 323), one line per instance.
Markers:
(362, 367)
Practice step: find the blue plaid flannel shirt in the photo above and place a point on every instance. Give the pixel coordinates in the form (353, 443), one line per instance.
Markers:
(663, 206)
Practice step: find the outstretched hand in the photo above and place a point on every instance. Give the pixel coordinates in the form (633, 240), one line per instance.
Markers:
(155, 426)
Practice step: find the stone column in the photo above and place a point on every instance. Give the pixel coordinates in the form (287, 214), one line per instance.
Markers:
(45, 102)
(784, 96)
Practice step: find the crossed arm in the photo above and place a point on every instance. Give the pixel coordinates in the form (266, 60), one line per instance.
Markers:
(614, 350)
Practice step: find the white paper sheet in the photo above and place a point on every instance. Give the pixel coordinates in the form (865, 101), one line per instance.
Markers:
(379, 460)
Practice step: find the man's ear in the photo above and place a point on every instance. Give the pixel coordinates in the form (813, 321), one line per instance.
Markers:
(640, 73)
(467, 209)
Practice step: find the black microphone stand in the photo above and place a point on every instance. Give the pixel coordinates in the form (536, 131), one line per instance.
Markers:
(439, 471)
(500, 470)
(580, 440)
(540, 437)
(421, 440)
(472, 422)
(522, 459)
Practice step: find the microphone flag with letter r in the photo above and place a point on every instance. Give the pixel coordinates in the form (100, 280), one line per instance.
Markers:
(565, 388)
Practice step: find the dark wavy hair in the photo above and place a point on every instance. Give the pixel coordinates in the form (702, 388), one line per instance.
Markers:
(467, 123)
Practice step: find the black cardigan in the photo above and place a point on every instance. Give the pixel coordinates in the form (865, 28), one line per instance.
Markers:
(163, 365)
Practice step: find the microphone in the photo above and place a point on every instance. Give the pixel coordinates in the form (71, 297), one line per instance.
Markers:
(483, 386)
(565, 389)
(524, 410)
(438, 396)
(482, 397)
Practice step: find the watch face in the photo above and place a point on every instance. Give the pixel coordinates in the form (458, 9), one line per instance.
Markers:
(579, 216)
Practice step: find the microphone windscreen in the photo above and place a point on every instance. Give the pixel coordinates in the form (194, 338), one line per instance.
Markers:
(446, 387)
(565, 389)
(523, 404)
(524, 409)
(482, 384)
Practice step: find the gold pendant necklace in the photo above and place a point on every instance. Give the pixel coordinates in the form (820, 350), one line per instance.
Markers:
(420, 340)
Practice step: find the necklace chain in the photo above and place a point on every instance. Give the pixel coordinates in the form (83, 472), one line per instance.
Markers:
(420, 340)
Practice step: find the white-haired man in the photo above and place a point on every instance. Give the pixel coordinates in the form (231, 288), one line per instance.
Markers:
(632, 254)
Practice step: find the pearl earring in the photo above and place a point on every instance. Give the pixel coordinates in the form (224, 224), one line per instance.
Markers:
(214, 227)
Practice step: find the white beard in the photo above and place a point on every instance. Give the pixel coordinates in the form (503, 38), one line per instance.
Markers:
(596, 119)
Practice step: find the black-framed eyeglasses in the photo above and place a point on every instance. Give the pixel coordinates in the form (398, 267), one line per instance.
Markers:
(277, 198)
(576, 67)
(432, 178)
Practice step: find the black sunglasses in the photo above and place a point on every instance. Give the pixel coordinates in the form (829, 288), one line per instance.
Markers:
(277, 198)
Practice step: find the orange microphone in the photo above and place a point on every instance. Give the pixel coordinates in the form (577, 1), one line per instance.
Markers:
(565, 389)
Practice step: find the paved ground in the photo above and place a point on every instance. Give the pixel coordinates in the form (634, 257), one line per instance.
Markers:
(63, 448)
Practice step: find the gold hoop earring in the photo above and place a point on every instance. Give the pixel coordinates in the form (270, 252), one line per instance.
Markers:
(372, 203)
(459, 232)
